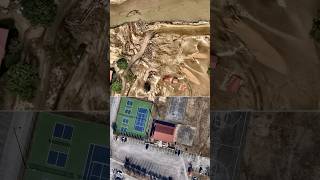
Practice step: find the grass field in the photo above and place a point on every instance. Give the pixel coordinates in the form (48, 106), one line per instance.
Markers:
(77, 147)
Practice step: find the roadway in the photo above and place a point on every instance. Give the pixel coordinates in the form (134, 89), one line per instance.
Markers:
(16, 132)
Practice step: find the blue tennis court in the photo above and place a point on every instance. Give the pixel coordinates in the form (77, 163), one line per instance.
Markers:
(141, 119)
(57, 158)
(63, 131)
(96, 164)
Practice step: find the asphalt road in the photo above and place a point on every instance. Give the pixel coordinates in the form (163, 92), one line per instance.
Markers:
(15, 134)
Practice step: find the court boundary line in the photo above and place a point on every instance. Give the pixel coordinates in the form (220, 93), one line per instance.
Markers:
(88, 175)
(50, 145)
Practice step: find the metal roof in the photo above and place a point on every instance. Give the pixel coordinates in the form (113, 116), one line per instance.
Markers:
(164, 133)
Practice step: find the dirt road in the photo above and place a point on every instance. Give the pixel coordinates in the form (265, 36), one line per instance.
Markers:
(144, 45)
(19, 131)
(136, 57)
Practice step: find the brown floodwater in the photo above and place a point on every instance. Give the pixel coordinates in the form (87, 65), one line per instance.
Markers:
(160, 10)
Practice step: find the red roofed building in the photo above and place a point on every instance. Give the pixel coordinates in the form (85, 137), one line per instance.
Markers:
(214, 62)
(167, 78)
(111, 73)
(234, 84)
(165, 133)
(3, 41)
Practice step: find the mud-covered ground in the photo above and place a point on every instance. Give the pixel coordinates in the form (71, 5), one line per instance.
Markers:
(281, 146)
(80, 83)
(265, 145)
(69, 56)
(172, 58)
(265, 56)
(167, 48)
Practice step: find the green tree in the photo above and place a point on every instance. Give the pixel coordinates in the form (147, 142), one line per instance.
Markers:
(114, 126)
(116, 86)
(209, 70)
(315, 30)
(39, 11)
(22, 80)
(122, 63)
(13, 54)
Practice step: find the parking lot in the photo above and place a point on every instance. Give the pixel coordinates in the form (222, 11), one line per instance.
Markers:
(163, 161)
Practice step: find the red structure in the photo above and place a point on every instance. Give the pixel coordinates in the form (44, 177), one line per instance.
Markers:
(167, 78)
(234, 84)
(3, 41)
(183, 87)
(214, 62)
(111, 73)
(164, 133)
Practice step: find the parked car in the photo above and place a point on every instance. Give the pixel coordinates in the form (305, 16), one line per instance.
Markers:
(124, 139)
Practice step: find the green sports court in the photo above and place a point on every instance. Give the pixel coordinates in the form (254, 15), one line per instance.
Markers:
(134, 117)
(64, 148)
